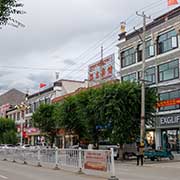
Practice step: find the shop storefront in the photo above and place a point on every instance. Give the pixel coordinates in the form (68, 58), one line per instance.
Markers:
(168, 132)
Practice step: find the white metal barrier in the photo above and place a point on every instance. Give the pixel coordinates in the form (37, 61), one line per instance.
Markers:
(83, 160)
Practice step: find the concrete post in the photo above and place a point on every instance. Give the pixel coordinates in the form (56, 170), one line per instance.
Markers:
(56, 159)
(39, 157)
(80, 161)
(113, 176)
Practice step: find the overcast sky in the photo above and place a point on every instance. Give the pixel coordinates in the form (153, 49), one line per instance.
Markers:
(64, 36)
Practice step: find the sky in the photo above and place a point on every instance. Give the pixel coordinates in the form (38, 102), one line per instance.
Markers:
(64, 36)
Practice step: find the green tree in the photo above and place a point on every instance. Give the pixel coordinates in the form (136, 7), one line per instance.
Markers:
(7, 131)
(7, 9)
(72, 117)
(112, 111)
(45, 120)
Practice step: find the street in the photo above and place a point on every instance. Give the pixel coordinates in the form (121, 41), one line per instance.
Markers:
(15, 171)
(164, 170)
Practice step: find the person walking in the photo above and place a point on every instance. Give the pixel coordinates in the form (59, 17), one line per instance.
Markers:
(140, 153)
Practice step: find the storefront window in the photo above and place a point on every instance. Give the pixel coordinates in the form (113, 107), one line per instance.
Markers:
(171, 138)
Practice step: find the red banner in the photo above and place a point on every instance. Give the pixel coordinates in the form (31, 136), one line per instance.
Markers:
(170, 102)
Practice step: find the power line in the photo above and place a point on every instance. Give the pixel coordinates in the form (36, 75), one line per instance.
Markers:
(97, 44)
(151, 5)
(91, 48)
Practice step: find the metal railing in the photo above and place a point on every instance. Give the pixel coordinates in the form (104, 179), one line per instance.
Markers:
(80, 159)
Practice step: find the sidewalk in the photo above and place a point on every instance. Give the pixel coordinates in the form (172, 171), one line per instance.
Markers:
(132, 162)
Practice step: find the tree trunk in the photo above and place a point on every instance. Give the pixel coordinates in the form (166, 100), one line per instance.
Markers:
(121, 152)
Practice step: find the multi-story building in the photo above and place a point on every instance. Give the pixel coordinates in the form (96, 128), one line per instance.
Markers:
(59, 88)
(162, 64)
(9, 99)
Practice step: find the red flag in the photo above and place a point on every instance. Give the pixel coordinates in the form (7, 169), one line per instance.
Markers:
(42, 85)
(172, 2)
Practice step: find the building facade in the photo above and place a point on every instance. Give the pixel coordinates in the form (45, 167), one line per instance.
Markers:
(162, 64)
(9, 99)
(59, 88)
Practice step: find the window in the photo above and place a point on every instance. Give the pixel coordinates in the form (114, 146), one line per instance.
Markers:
(47, 100)
(168, 96)
(31, 108)
(150, 75)
(130, 77)
(14, 116)
(36, 105)
(168, 71)
(18, 116)
(149, 49)
(167, 42)
(139, 52)
(128, 57)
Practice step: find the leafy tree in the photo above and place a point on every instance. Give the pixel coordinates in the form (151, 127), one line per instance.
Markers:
(7, 131)
(7, 9)
(44, 119)
(112, 111)
(72, 117)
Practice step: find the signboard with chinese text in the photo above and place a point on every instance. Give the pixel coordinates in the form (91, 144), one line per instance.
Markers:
(95, 160)
(102, 70)
(170, 102)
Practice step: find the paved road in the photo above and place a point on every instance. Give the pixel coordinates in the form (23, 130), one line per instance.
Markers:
(165, 170)
(15, 171)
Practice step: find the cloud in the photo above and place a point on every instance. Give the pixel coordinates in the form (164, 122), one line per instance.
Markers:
(60, 35)
(69, 62)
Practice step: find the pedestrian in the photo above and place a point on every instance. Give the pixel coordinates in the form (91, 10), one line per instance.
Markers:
(140, 153)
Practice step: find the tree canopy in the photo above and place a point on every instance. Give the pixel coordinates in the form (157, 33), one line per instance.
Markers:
(7, 9)
(44, 119)
(111, 112)
(7, 131)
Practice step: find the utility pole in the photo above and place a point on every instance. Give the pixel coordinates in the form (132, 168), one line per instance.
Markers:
(142, 127)
(101, 65)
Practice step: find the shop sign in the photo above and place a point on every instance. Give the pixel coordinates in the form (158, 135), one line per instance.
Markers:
(31, 131)
(102, 70)
(170, 120)
(95, 161)
(170, 102)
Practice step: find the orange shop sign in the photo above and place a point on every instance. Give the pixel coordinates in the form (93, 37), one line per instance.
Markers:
(170, 102)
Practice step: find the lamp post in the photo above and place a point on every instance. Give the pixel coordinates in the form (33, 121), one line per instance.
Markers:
(22, 107)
